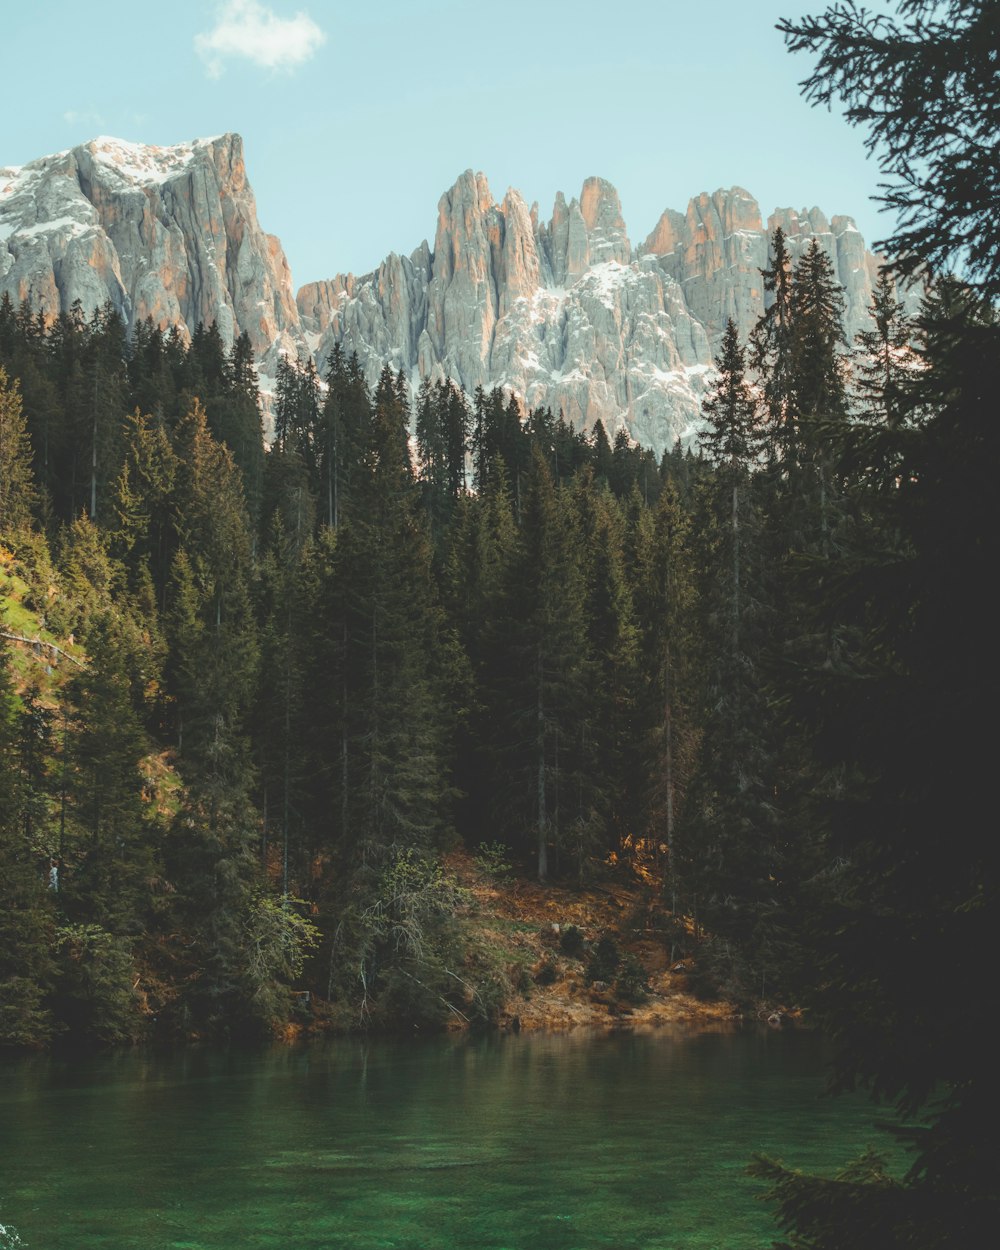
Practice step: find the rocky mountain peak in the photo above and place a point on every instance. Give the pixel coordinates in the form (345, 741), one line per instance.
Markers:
(565, 313)
(169, 233)
(601, 210)
(562, 312)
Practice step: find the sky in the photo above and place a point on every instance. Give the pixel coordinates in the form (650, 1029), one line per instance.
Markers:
(357, 116)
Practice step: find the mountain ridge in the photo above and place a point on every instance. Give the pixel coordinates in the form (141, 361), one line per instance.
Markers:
(565, 312)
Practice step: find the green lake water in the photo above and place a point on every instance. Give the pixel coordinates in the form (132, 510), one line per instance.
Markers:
(501, 1143)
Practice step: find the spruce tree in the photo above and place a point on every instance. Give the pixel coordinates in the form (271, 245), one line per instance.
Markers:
(17, 489)
(111, 860)
(771, 349)
(26, 907)
(536, 679)
(732, 442)
(885, 377)
(899, 716)
(605, 810)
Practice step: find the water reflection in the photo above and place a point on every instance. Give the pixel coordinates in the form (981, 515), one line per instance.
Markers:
(558, 1142)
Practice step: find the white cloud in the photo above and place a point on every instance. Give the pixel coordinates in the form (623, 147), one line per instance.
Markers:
(247, 29)
(84, 117)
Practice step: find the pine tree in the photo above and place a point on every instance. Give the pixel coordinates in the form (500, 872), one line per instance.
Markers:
(17, 490)
(481, 543)
(536, 677)
(212, 587)
(607, 804)
(666, 599)
(886, 374)
(602, 457)
(921, 82)
(284, 749)
(25, 911)
(899, 716)
(818, 387)
(141, 500)
(110, 861)
(732, 442)
(345, 425)
(771, 349)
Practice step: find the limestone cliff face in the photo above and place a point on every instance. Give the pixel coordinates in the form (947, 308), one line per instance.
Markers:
(168, 233)
(716, 252)
(566, 313)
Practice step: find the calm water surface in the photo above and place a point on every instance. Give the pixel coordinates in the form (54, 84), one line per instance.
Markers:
(505, 1143)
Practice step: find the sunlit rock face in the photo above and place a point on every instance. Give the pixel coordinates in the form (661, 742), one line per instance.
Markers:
(566, 312)
(168, 233)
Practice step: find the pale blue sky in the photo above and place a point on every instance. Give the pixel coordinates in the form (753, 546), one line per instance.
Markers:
(357, 116)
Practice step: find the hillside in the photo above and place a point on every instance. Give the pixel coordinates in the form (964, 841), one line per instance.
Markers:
(550, 935)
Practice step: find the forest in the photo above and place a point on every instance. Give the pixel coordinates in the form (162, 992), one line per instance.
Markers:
(282, 684)
(250, 698)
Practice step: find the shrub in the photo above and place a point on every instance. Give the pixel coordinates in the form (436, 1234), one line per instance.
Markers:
(547, 974)
(604, 959)
(493, 861)
(94, 984)
(631, 983)
(571, 942)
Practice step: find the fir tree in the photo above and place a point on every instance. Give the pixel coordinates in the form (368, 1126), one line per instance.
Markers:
(771, 348)
(536, 679)
(26, 919)
(17, 490)
(731, 442)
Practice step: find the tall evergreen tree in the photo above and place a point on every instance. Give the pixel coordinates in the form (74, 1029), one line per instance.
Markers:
(17, 489)
(732, 441)
(26, 920)
(771, 346)
(899, 716)
(536, 679)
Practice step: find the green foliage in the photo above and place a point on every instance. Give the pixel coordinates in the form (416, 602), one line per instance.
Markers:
(17, 489)
(493, 861)
(396, 946)
(94, 990)
(861, 1206)
(25, 913)
(894, 674)
(572, 942)
(605, 958)
(547, 974)
(922, 84)
(631, 981)
(277, 938)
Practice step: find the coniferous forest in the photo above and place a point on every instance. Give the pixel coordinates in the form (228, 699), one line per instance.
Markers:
(251, 698)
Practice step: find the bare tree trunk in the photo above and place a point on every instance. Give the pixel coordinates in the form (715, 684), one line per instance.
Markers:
(737, 607)
(343, 747)
(93, 469)
(668, 745)
(543, 850)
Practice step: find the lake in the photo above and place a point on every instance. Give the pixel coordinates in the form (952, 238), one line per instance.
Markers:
(555, 1142)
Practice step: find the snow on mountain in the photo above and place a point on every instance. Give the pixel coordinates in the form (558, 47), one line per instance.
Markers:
(169, 233)
(566, 313)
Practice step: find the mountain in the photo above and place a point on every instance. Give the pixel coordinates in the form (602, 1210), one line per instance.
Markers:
(567, 313)
(169, 233)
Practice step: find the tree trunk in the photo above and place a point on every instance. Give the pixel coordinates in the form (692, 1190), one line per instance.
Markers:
(543, 850)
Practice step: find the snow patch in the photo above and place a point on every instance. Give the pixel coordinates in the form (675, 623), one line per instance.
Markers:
(59, 225)
(142, 163)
